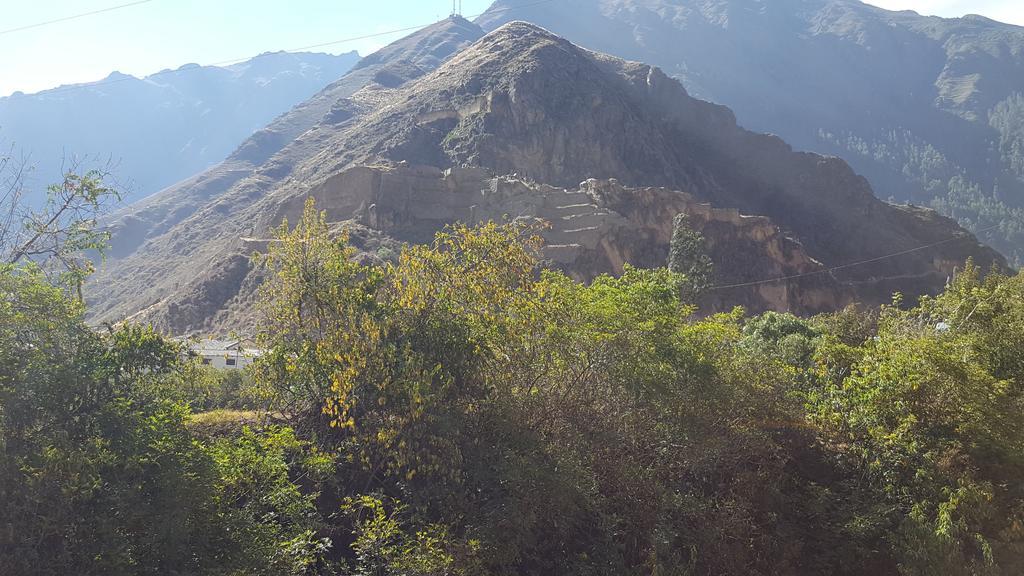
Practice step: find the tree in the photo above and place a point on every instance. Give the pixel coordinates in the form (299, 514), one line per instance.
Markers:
(320, 320)
(540, 423)
(99, 470)
(929, 417)
(687, 257)
(57, 235)
(100, 474)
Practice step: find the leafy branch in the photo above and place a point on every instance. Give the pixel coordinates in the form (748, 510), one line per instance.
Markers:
(58, 235)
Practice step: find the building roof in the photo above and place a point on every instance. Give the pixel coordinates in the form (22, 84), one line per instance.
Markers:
(217, 346)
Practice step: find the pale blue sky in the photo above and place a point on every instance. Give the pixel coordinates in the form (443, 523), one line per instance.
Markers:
(162, 34)
(168, 33)
(1011, 11)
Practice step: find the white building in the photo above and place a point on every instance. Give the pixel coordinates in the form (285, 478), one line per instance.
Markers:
(225, 354)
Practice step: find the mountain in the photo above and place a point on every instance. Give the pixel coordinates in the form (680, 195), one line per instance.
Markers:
(255, 164)
(158, 130)
(512, 124)
(930, 110)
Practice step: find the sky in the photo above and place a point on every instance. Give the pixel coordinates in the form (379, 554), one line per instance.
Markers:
(1011, 11)
(158, 34)
(161, 34)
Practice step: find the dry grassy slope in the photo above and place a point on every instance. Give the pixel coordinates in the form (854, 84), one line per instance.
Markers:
(522, 100)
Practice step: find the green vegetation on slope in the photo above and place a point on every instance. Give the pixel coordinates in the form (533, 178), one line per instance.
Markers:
(462, 412)
(939, 183)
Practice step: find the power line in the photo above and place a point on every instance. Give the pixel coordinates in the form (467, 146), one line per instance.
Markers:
(75, 17)
(62, 89)
(850, 265)
(389, 32)
(780, 279)
(343, 41)
(510, 8)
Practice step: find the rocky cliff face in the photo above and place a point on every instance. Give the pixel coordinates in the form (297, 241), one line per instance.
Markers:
(545, 115)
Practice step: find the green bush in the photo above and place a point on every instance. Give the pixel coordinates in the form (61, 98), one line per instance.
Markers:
(99, 474)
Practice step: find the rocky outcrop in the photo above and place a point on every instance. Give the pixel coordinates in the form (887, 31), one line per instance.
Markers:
(595, 228)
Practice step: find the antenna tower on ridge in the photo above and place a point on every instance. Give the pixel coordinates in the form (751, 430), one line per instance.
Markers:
(456, 8)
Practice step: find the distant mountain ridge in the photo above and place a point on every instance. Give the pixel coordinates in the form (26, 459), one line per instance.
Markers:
(161, 129)
(269, 154)
(414, 140)
(930, 110)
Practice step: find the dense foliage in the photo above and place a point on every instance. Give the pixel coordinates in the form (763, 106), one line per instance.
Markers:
(57, 233)
(909, 169)
(463, 412)
(99, 471)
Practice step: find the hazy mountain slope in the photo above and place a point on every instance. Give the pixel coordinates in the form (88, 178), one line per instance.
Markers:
(160, 129)
(175, 224)
(407, 58)
(522, 100)
(928, 109)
